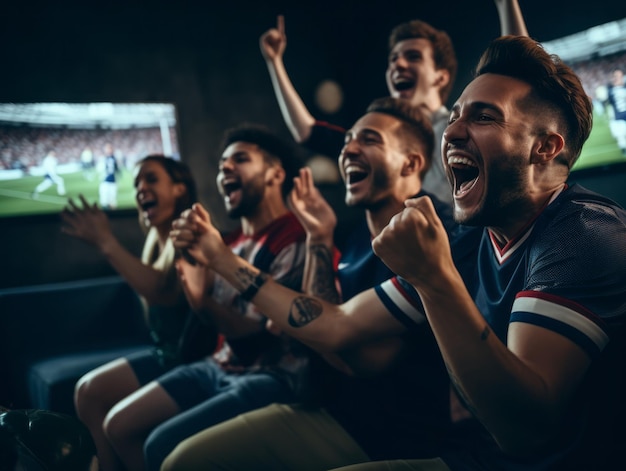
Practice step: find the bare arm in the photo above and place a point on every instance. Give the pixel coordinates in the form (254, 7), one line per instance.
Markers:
(319, 221)
(197, 282)
(519, 390)
(296, 115)
(324, 326)
(511, 18)
(89, 223)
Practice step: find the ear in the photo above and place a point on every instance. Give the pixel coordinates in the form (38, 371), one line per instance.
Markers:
(547, 148)
(179, 189)
(275, 175)
(443, 78)
(413, 164)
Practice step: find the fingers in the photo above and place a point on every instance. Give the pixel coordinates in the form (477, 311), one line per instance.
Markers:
(73, 206)
(303, 184)
(201, 212)
(280, 24)
(425, 206)
(84, 201)
(298, 188)
(307, 178)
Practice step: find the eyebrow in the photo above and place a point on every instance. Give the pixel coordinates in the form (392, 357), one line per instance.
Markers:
(239, 153)
(365, 131)
(479, 105)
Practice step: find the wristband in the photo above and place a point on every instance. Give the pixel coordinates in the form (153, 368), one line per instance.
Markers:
(251, 291)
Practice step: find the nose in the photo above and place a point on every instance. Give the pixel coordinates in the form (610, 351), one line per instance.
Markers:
(455, 131)
(350, 148)
(226, 165)
(400, 62)
(140, 185)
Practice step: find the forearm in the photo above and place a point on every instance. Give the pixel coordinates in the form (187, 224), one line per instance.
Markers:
(319, 272)
(228, 322)
(149, 283)
(323, 326)
(296, 115)
(513, 402)
(511, 18)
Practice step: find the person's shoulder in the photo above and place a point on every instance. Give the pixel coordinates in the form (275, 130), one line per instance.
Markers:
(439, 120)
(583, 222)
(282, 232)
(587, 204)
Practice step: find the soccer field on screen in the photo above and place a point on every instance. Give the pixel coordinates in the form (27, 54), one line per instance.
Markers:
(16, 195)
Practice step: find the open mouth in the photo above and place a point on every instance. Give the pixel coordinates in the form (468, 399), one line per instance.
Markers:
(355, 174)
(230, 187)
(403, 85)
(146, 205)
(465, 173)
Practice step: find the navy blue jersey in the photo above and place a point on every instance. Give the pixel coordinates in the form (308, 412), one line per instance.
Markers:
(566, 273)
(395, 414)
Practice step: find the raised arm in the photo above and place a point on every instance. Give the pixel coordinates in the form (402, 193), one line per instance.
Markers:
(324, 326)
(296, 115)
(520, 390)
(511, 18)
(89, 223)
(319, 221)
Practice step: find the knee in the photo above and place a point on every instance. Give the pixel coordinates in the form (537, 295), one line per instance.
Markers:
(115, 426)
(86, 395)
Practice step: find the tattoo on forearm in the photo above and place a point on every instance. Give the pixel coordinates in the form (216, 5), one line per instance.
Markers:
(323, 285)
(303, 311)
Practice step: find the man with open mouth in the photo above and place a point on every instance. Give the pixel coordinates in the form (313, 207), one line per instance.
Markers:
(421, 69)
(531, 325)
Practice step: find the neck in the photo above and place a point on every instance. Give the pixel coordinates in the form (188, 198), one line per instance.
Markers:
(379, 216)
(163, 233)
(430, 103)
(266, 212)
(506, 233)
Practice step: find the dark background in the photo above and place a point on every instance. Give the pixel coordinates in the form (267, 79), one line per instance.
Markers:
(205, 58)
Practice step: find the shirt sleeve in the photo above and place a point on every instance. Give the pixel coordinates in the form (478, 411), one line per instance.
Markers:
(575, 278)
(326, 139)
(402, 301)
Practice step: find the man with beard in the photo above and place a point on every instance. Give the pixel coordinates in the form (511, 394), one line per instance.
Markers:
(254, 367)
(421, 69)
(372, 398)
(531, 326)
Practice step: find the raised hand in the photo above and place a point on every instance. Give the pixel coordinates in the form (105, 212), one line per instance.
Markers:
(414, 244)
(273, 42)
(193, 232)
(311, 209)
(87, 222)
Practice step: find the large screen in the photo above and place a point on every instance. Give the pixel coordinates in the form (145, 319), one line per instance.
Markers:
(50, 152)
(598, 56)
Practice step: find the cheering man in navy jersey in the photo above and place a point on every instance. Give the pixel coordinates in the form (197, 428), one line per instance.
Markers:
(532, 325)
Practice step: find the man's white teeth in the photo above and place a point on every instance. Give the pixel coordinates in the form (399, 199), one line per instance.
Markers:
(353, 168)
(461, 160)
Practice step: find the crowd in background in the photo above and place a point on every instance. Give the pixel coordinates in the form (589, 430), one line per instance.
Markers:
(25, 147)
